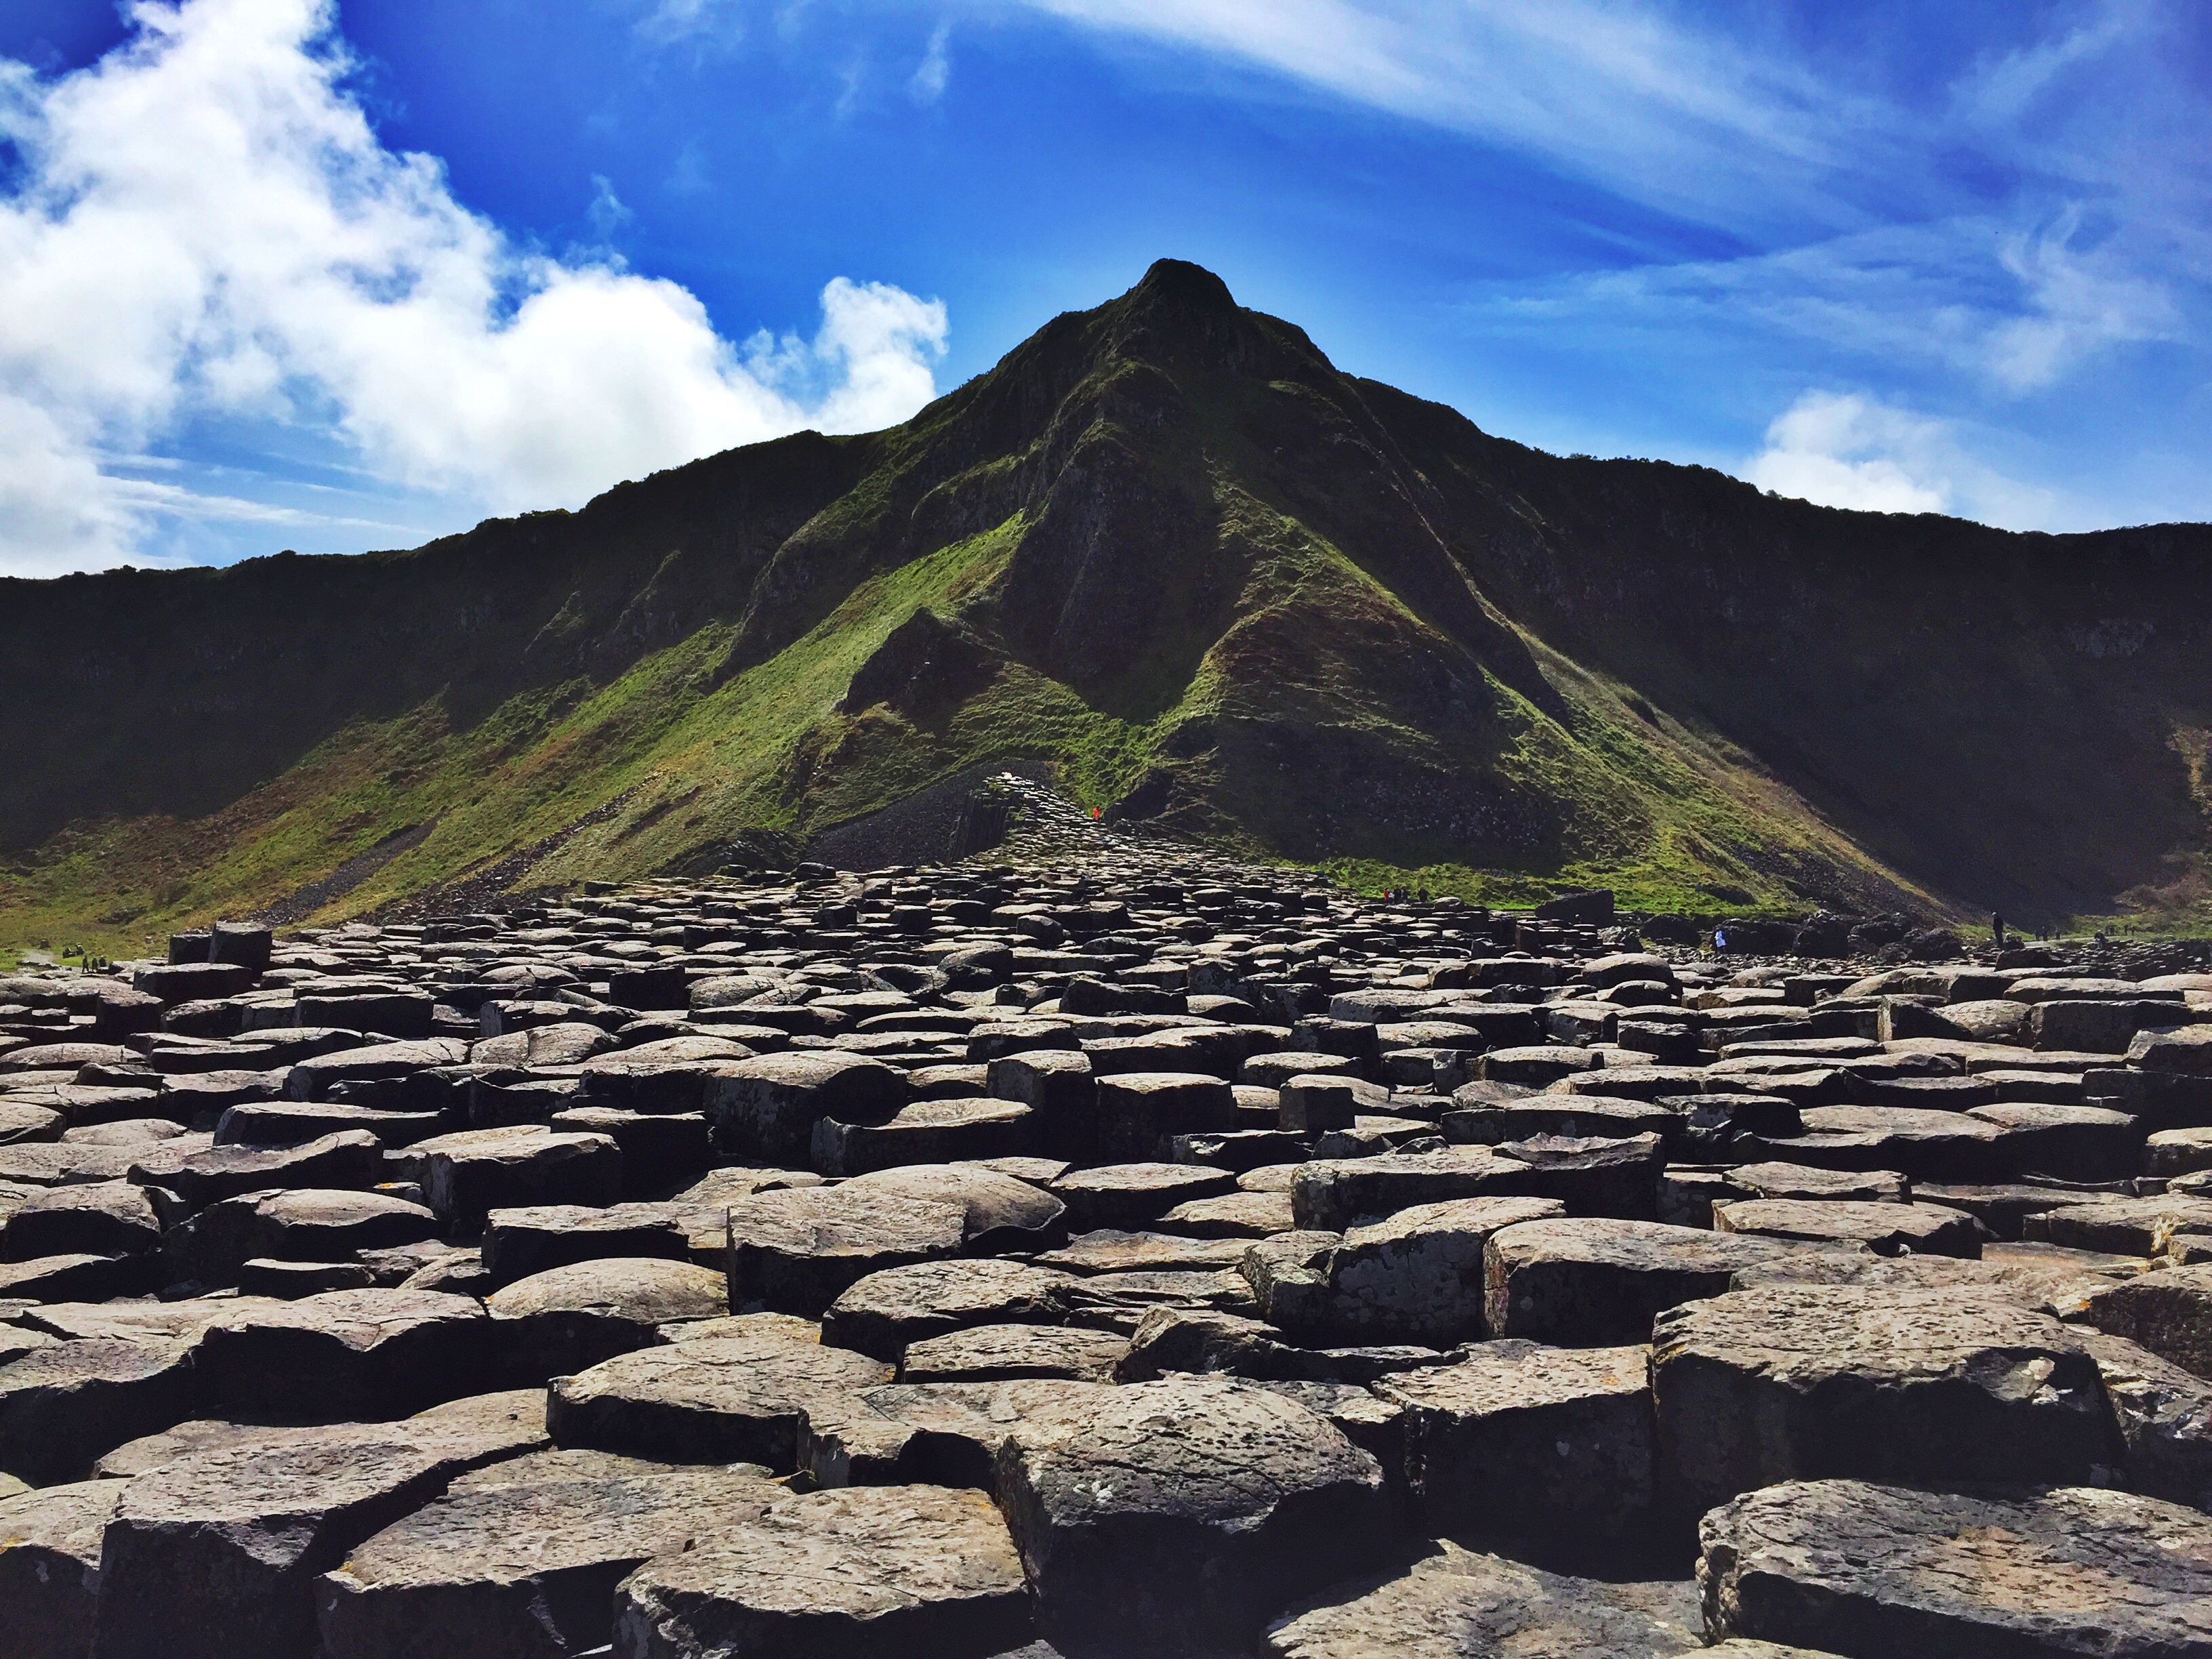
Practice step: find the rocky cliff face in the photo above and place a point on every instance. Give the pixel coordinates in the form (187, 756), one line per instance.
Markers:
(1167, 546)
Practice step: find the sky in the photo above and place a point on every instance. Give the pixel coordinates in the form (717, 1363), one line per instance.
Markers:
(342, 276)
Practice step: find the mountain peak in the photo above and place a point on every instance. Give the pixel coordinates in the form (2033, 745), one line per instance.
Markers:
(1179, 285)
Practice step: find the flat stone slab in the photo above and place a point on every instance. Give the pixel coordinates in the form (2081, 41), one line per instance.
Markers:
(717, 1400)
(994, 1354)
(1590, 1282)
(1455, 1603)
(49, 1543)
(530, 1239)
(345, 1354)
(523, 1557)
(2122, 1226)
(1885, 1228)
(869, 1572)
(1132, 1196)
(1183, 1512)
(214, 1555)
(798, 1249)
(945, 1434)
(64, 1406)
(880, 1315)
(1341, 1193)
(1796, 1383)
(1110, 1250)
(1528, 1438)
(2168, 1312)
(1805, 1181)
(1418, 1276)
(567, 1319)
(1007, 1209)
(1864, 1569)
(301, 1224)
(2165, 1419)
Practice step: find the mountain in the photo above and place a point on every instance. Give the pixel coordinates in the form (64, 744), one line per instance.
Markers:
(1166, 547)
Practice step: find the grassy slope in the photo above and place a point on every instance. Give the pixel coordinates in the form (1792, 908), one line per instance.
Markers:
(1326, 680)
(685, 765)
(661, 762)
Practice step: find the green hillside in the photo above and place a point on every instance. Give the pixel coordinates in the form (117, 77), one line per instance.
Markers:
(1165, 546)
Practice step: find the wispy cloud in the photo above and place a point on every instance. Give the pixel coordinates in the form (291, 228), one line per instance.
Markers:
(606, 213)
(204, 221)
(1625, 94)
(2014, 216)
(932, 75)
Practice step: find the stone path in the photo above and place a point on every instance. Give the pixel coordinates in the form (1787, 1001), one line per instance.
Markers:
(1124, 1252)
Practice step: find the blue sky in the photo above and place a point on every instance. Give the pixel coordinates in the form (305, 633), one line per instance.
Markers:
(279, 274)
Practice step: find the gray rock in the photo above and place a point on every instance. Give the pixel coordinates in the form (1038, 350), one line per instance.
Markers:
(214, 1555)
(1231, 1215)
(1108, 1251)
(1824, 1186)
(63, 1407)
(798, 1249)
(764, 1109)
(518, 1242)
(926, 1131)
(2168, 1312)
(1132, 1196)
(1885, 1228)
(565, 1043)
(50, 1567)
(945, 1434)
(1589, 1282)
(864, 1573)
(366, 1354)
(296, 1226)
(1004, 1213)
(1452, 1603)
(1522, 1438)
(1173, 1517)
(313, 1078)
(2121, 1227)
(465, 1177)
(98, 1218)
(881, 1314)
(567, 1319)
(1417, 1276)
(1332, 1196)
(524, 1557)
(1907, 1574)
(1004, 1353)
(2165, 1419)
(717, 1400)
(350, 1159)
(1947, 1386)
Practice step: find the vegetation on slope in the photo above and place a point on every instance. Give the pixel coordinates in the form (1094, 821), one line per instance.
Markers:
(1169, 549)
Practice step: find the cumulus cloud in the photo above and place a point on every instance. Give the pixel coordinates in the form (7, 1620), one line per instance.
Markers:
(204, 221)
(1843, 449)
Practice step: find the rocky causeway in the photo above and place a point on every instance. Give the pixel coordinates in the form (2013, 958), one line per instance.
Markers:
(1130, 1253)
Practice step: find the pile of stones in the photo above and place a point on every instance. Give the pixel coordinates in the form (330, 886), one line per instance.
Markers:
(1142, 1255)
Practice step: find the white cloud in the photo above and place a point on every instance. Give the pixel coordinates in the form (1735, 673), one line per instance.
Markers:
(1619, 92)
(1843, 449)
(666, 21)
(934, 72)
(206, 223)
(2079, 303)
(606, 212)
